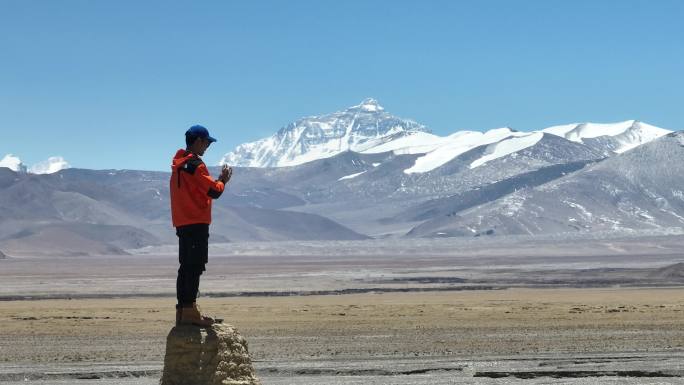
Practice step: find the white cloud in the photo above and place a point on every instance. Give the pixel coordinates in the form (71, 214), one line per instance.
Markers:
(49, 166)
(13, 163)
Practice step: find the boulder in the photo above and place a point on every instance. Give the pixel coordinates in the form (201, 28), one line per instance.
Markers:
(214, 355)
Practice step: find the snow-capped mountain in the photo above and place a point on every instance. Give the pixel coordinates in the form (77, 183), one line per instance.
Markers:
(357, 128)
(13, 163)
(368, 129)
(49, 166)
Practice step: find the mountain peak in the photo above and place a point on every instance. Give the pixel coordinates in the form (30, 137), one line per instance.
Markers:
(357, 128)
(368, 105)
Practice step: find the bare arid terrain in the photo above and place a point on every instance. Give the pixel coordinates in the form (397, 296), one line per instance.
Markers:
(557, 316)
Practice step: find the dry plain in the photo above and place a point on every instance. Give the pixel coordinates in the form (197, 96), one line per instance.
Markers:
(436, 318)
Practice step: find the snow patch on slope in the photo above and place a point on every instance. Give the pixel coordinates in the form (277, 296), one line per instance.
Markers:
(507, 146)
(413, 143)
(350, 176)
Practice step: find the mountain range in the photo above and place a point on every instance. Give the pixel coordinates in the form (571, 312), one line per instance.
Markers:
(367, 128)
(639, 189)
(363, 173)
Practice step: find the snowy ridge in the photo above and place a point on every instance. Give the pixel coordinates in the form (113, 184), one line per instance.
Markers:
(627, 134)
(416, 142)
(457, 144)
(617, 138)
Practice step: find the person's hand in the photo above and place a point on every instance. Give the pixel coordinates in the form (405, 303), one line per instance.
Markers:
(226, 173)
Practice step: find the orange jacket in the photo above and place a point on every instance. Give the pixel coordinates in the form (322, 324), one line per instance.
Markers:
(192, 189)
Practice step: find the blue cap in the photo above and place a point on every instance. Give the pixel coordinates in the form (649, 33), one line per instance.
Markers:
(199, 132)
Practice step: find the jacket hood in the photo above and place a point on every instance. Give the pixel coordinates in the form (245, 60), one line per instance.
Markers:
(181, 157)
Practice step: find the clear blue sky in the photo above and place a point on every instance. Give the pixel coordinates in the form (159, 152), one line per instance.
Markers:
(114, 84)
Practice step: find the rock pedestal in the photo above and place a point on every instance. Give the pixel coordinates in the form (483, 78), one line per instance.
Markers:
(214, 355)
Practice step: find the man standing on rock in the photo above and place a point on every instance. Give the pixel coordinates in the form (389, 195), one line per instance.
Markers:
(192, 190)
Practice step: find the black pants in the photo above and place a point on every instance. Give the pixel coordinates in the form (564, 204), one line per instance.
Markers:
(193, 254)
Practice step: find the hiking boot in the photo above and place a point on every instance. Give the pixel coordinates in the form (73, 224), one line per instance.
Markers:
(204, 317)
(191, 316)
